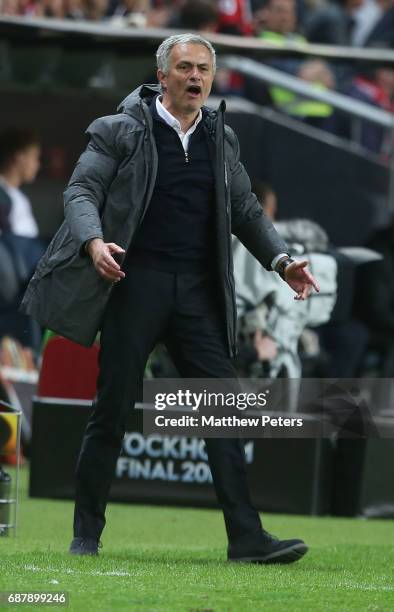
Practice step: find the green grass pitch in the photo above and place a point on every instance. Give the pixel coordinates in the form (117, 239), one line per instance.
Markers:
(159, 558)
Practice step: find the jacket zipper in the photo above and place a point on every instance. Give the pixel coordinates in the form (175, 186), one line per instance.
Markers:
(231, 332)
(229, 270)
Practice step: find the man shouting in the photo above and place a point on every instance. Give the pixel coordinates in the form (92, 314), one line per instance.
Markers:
(144, 255)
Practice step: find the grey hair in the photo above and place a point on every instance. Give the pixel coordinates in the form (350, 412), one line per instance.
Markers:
(164, 50)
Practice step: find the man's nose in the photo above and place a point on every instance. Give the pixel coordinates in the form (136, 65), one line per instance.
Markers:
(195, 73)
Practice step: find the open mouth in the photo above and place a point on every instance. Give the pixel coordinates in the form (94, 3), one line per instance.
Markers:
(194, 90)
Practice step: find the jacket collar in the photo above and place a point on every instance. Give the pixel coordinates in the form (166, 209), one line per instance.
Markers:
(131, 105)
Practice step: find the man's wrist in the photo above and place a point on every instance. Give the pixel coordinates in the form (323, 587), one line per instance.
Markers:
(282, 264)
(277, 259)
(89, 242)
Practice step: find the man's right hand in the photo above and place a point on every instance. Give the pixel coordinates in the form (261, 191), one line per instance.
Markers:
(101, 254)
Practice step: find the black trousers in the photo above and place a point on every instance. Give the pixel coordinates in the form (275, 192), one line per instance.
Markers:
(146, 307)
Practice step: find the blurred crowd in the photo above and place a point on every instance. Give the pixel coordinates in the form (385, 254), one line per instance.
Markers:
(360, 23)
(340, 22)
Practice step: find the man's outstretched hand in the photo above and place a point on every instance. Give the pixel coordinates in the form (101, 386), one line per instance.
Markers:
(102, 255)
(300, 280)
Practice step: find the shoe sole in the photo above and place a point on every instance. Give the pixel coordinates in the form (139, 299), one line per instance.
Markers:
(286, 555)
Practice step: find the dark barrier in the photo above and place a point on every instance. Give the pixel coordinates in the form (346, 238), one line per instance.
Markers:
(316, 177)
(286, 475)
(363, 483)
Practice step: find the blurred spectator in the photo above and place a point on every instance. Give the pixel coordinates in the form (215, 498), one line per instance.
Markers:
(74, 9)
(271, 325)
(9, 7)
(336, 343)
(235, 17)
(31, 8)
(256, 347)
(165, 13)
(332, 24)
(130, 13)
(53, 8)
(161, 15)
(276, 21)
(230, 83)
(373, 85)
(200, 15)
(318, 73)
(365, 17)
(95, 10)
(382, 35)
(20, 247)
(19, 163)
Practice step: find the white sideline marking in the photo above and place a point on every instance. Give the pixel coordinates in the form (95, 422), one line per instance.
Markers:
(33, 568)
(365, 587)
(343, 585)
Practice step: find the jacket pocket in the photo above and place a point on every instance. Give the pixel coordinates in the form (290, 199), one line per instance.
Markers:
(57, 258)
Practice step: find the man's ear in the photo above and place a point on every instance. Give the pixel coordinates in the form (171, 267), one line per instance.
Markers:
(161, 77)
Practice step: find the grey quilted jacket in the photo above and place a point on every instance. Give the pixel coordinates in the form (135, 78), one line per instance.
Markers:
(108, 195)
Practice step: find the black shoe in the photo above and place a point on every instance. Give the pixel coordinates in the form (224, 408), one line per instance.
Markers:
(265, 548)
(85, 546)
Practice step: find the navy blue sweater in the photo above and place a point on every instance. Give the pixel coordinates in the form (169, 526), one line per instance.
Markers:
(178, 230)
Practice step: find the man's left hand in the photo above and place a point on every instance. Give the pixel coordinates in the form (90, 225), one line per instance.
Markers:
(300, 280)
